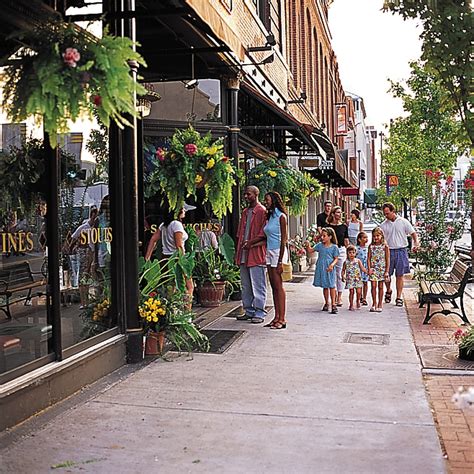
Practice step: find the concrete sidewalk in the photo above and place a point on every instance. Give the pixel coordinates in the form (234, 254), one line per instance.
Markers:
(299, 400)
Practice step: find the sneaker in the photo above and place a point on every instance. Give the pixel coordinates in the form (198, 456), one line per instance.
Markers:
(243, 317)
(256, 320)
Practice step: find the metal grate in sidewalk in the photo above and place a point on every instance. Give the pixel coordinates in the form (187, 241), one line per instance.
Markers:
(366, 338)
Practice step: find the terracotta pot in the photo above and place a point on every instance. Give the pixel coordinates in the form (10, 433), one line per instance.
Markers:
(211, 294)
(154, 343)
(464, 355)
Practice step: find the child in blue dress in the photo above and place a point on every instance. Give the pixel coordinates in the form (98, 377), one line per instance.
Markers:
(325, 271)
(362, 249)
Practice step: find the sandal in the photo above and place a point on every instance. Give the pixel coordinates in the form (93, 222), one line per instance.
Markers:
(270, 324)
(279, 325)
(388, 296)
(373, 309)
(363, 302)
(334, 310)
(398, 302)
(325, 307)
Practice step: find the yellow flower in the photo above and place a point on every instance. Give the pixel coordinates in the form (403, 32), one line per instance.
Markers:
(213, 150)
(257, 176)
(198, 179)
(210, 164)
(272, 173)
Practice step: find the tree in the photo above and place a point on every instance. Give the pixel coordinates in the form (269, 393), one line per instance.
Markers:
(446, 49)
(428, 138)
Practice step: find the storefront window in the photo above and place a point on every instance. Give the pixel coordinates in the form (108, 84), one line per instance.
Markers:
(188, 101)
(25, 327)
(85, 236)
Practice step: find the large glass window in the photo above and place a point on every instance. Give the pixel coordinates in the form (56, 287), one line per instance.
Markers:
(194, 100)
(25, 328)
(85, 241)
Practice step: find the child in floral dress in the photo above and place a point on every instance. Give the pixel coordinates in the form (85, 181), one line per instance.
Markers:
(352, 270)
(378, 260)
(362, 250)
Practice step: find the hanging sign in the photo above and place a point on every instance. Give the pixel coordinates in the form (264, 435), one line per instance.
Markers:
(391, 183)
(341, 119)
(327, 165)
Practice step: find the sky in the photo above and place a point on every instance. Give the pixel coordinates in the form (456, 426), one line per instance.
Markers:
(372, 46)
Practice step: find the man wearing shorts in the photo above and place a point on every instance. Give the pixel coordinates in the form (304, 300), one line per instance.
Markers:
(396, 229)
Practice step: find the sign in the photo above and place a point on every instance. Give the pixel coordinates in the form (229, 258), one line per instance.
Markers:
(327, 165)
(309, 163)
(350, 191)
(391, 183)
(341, 119)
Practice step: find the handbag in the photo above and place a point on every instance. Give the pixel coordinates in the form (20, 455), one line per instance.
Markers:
(287, 274)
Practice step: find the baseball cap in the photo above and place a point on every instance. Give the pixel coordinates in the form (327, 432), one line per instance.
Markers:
(188, 207)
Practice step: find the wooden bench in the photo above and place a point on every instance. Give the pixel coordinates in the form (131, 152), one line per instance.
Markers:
(16, 278)
(449, 289)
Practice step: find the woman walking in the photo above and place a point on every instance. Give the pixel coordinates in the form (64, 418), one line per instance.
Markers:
(277, 236)
(355, 226)
(335, 223)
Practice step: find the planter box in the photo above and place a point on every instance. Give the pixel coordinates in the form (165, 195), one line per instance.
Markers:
(301, 266)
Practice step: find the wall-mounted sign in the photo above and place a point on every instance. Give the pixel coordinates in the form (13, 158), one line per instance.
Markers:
(16, 242)
(341, 119)
(326, 165)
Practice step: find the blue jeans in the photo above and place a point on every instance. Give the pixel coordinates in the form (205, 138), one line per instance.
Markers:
(74, 259)
(254, 290)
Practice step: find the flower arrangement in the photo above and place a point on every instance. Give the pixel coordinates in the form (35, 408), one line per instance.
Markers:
(189, 162)
(436, 234)
(465, 340)
(163, 302)
(96, 316)
(297, 250)
(294, 186)
(312, 235)
(64, 71)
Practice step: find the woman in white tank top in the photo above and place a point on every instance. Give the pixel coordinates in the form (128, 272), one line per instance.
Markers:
(354, 226)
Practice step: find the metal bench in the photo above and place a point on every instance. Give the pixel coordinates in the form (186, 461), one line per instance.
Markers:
(14, 279)
(449, 289)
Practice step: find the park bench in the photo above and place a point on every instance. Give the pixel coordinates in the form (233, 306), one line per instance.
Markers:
(463, 252)
(17, 282)
(450, 288)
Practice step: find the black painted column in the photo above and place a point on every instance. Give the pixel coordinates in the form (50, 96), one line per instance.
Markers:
(233, 87)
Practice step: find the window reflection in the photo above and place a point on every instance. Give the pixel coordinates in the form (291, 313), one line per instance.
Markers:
(180, 101)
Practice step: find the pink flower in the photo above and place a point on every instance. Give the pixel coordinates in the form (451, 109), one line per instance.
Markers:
(190, 149)
(71, 56)
(449, 180)
(450, 229)
(97, 99)
(160, 154)
(429, 173)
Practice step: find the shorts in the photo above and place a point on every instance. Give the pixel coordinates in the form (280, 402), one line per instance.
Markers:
(399, 262)
(272, 257)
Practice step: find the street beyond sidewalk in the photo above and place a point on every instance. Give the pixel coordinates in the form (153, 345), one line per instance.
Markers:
(300, 400)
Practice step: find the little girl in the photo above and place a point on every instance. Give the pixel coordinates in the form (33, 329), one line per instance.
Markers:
(378, 259)
(325, 271)
(362, 249)
(352, 270)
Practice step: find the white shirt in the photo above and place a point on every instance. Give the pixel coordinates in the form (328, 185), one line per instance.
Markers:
(396, 232)
(167, 236)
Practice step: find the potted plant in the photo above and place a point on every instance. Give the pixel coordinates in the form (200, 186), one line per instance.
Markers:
(64, 72)
(163, 306)
(294, 186)
(465, 341)
(187, 163)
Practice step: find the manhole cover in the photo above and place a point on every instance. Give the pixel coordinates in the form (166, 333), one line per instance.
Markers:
(240, 311)
(443, 357)
(220, 339)
(298, 279)
(366, 338)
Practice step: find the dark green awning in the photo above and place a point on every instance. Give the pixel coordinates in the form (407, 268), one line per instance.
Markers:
(370, 196)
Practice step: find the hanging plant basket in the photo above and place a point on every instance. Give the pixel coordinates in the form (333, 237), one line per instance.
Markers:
(187, 163)
(294, 186)
(64, 72)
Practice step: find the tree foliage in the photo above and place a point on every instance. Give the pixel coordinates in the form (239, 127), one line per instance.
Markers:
(446, 49)
(427, 138)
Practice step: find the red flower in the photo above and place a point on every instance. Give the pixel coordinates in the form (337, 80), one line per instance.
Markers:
(469, 183)
(449, 180)
(225, 159)
(97, 99)
(160, 154)
(190, 149)
(152, 294)
(429, 174)
(71, 56)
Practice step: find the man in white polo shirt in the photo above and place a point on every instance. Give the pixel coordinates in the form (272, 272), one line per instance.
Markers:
(396, 229)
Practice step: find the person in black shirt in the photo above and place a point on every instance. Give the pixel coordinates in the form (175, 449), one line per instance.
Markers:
(342, 235)
(321, 218)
